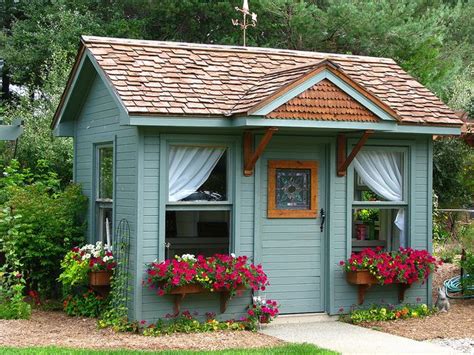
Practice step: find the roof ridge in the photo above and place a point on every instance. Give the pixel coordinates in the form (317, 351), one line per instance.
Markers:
(231, 48)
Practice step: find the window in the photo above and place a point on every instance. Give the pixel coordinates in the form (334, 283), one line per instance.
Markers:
(292, 189)
(104, 192)
(198, 212)
(379, 202)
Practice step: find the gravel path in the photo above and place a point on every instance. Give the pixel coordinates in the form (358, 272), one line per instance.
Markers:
(465, 345)
(57, 329)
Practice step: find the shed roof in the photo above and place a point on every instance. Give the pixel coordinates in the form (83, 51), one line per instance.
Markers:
(170, 78)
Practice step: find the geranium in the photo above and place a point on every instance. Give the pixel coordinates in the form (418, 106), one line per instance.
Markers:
(216, 273)
(403, 266)
(262, 310)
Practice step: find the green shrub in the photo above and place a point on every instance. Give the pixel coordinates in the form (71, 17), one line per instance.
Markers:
(87, 304)
(468, 280)
(39, 224)
(12, 305)
(187, 323)
(381, 313)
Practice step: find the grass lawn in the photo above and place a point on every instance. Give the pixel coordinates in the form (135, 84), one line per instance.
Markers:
(287, 349)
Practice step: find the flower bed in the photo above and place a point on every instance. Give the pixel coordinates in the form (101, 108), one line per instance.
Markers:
(218, 273)
(386, 313)
(405, 266)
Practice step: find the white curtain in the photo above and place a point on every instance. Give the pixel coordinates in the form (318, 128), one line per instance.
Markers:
(189, 168)
(382, 173)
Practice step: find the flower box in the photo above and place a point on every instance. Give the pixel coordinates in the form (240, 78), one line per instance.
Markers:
(100, 278)
(361, 277)
(364, 280)
(180, 292)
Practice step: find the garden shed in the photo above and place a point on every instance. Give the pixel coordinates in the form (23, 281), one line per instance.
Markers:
(295, 159)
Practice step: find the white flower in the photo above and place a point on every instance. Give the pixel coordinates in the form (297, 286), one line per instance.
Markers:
(5, 173)
(86, 256)
(232, 255)
(189, 257)
(105, 259)
(96, 254)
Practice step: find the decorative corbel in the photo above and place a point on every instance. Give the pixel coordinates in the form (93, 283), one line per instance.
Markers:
(343, 161)
(251, 156)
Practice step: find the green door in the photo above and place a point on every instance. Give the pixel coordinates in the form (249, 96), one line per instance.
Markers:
(292, 248)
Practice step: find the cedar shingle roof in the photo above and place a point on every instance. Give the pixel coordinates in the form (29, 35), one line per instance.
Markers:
(167, 78)
(324, 101)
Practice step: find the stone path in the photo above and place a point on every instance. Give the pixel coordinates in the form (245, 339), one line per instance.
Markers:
(349, 339)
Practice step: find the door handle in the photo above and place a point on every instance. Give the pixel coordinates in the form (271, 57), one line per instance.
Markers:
(322, 215)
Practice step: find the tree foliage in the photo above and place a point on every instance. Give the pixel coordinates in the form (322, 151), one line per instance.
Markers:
(431, 39)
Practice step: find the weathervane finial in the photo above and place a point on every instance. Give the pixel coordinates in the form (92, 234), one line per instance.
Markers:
(244, 24)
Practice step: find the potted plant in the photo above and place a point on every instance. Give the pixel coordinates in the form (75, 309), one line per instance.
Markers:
(97, 261)
(368, 217)
(187, 274)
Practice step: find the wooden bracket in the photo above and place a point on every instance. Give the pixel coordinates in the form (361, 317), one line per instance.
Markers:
(343, 161)
(250, 156)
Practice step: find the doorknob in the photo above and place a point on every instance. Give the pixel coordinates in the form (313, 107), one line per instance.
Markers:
(322, 214)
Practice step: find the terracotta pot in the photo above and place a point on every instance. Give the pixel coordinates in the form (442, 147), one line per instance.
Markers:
(100, 278)
(361, 277)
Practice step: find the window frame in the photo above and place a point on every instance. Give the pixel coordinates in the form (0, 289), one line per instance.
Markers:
(405, 148)
(101, 204)
(272, 210)
(234, 162)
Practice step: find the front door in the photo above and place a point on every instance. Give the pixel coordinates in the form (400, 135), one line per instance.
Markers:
(292, 248)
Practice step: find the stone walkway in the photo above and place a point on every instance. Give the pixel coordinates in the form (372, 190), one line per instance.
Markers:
(349, 339)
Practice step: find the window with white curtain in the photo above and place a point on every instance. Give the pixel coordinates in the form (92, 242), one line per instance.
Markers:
(199, 207)
(104, 192)
(379, 204)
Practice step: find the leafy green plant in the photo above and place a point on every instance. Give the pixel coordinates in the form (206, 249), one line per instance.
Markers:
(468, 265)
(381, 313)
(88, 304)
(185, 322)
(74, 272)
(12, 305)
(116, 314)
(39, 223)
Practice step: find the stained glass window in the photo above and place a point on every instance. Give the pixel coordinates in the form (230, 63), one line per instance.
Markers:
(293, 189)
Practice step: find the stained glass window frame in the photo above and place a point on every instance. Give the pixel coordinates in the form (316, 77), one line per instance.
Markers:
(275, 211)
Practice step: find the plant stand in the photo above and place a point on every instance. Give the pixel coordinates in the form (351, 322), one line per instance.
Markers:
(363, 279)
(180, 292)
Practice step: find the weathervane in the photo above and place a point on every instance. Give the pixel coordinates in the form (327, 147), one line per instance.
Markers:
(244, 24)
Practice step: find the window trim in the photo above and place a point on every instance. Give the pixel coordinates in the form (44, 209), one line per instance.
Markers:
(403, 146)
(234, 160)
(100, 203)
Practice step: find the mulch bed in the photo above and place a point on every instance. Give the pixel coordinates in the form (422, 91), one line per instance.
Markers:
(456, 324)
(57, 329)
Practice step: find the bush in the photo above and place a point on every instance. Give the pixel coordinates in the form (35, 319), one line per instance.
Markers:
(87, 304)
(468, 280)
(12, 305)
(39, 223)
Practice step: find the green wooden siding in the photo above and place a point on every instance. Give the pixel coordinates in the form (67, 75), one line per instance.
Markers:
(98, 122)
(139, 170)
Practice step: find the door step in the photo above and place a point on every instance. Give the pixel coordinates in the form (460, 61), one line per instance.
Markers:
(304, 318)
